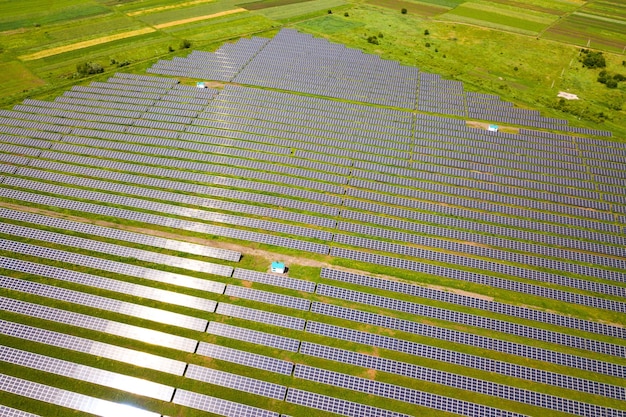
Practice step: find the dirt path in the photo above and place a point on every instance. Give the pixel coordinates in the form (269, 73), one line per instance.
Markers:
(198, 18)
(85, 44)
(245, 250)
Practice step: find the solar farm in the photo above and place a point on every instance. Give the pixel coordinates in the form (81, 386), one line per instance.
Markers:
(434, 269)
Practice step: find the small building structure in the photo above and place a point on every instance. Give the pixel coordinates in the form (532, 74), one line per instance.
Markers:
(278, 267)
(201, 84)
(493, 128)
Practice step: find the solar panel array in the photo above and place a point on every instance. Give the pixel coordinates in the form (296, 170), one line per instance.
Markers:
(104, 189)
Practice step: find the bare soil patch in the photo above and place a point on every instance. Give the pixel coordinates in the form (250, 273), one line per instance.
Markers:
(259, 5)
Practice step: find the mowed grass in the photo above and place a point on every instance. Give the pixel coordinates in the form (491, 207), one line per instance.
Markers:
(226, 27)
(38, 39)
(501, 16)
(182, 13)
(16, 15)
(17, 78)
(330, 24)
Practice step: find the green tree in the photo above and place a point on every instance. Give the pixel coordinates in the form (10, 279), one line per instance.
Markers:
(593, 59)
(403, 11)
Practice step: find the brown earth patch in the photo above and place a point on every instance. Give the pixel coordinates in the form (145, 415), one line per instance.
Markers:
(461, 292)
(421, 9)
(259, 5)
(370, 374)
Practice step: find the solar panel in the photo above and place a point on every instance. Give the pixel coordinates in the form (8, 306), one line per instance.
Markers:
(273, 279)
(336, 405)
(12, 412)
(253, 336)
(103, 303)
(234, 381)
(86, 373)
(113, 266)
(397, 392)
(260, 316)
(460, 381)
(478, 303)
(98, 324)
(122, 235)
(69, 399)
(137, 290)
(267, 297)
(245, 358)
(93, 347)
(218, 406)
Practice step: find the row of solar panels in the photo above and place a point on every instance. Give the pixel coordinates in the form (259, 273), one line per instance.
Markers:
(244, 358)
(36, 234)
(42, 252)
(325, 236)
(556, 208)
(67, 179)
(314, 208)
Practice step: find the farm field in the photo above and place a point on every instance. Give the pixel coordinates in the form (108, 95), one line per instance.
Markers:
(501, 16)
(433, 268)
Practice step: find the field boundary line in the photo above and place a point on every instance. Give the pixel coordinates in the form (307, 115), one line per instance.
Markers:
(199, 18)
(164, 8)
(85, 44)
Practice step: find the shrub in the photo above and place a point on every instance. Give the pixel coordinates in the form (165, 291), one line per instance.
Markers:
(403, 11)
(185, 44)
(170, 49)
(89, 68)
(373, 40)
(515, 68)
(330, 11)
(427, 45)
(593, 59)
(346, 14)
(619, 77)
(611, 83)
(380, 35)
(426, 32)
